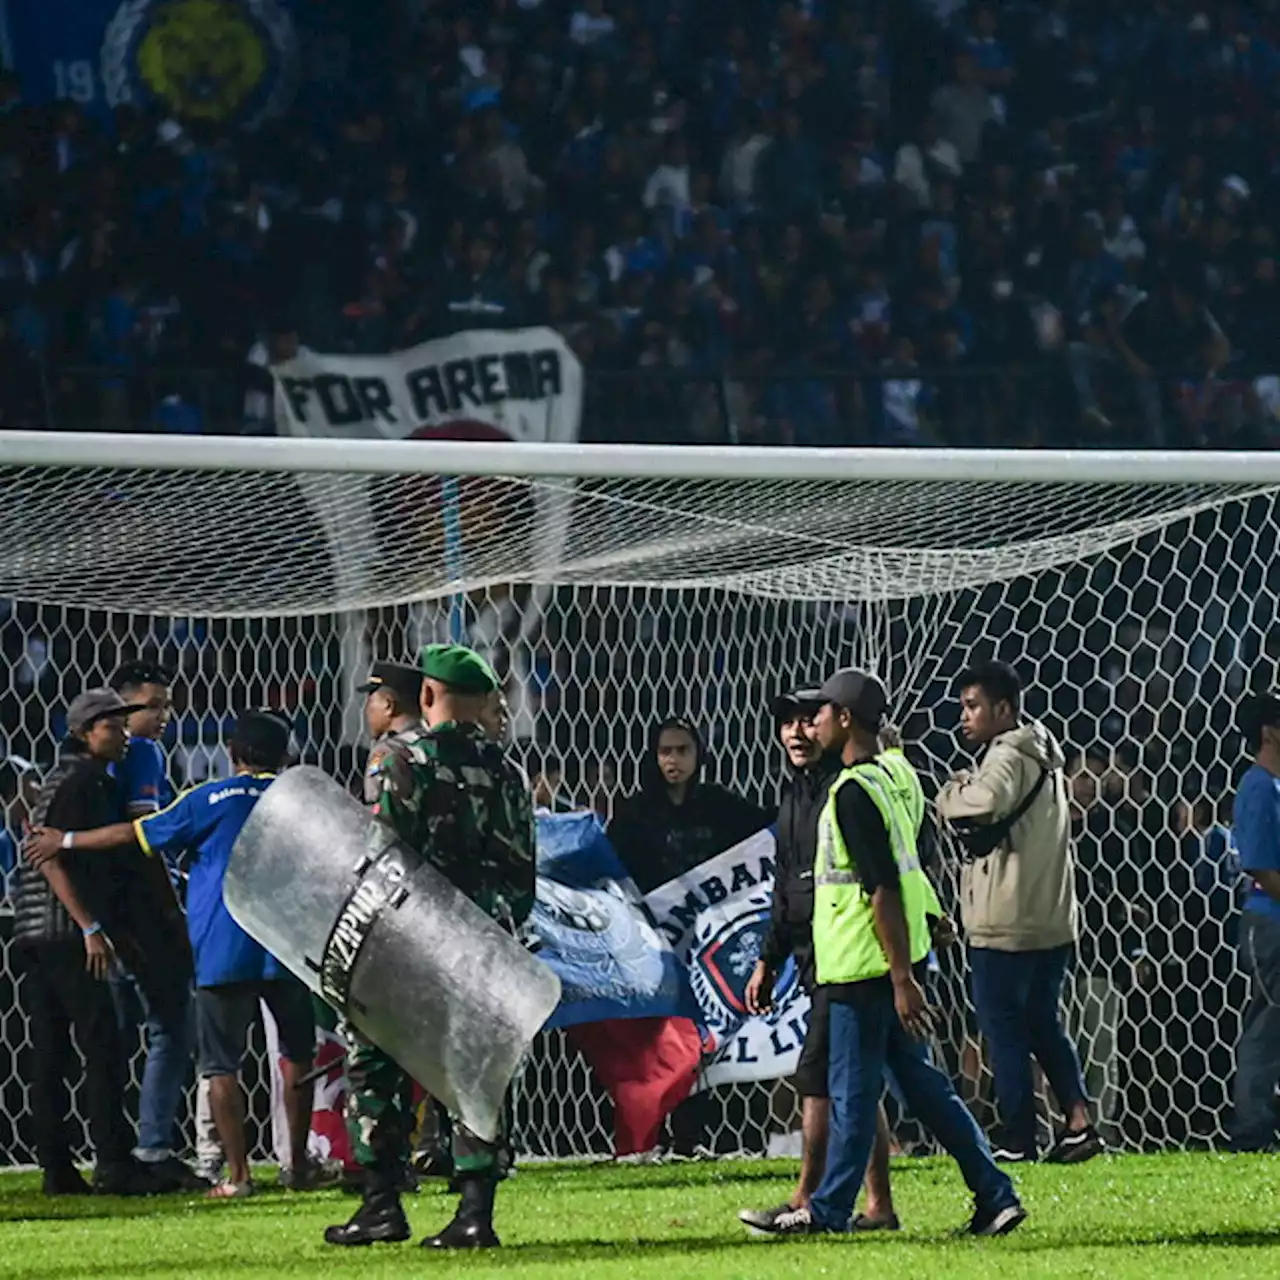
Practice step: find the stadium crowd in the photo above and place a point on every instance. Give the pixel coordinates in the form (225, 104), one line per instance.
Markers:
(806, 221)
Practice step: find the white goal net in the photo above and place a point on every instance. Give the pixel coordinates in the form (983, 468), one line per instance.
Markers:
(611, 587)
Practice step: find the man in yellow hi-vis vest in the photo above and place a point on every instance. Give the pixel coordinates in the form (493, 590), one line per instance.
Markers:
(872, 903)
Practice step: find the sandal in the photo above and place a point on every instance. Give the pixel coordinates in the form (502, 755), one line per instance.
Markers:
(860, 1222)
(230, 1191)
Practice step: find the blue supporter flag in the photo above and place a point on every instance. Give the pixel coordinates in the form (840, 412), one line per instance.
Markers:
(592, 930)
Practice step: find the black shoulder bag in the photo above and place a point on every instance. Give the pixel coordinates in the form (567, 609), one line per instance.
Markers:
(981, 839)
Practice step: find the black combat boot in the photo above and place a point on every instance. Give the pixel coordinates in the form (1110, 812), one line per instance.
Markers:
(472, 1225)
(379, 1220)
(64, 1180)
(433, 1162)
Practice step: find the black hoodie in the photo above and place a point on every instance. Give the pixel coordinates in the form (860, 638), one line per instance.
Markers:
(791, 918)
(658, 840)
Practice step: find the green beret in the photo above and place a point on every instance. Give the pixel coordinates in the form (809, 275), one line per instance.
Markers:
(457, 667)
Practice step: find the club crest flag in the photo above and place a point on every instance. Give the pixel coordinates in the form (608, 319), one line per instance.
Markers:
(715, 918)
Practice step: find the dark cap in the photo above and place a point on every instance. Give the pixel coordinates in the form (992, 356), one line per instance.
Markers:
(404, 682)
(94, 704)
(458, 668)
(795, 701)
(859, 693)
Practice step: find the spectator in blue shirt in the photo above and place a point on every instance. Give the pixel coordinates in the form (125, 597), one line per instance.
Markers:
(1257, 838)
(232, 971)
(143, 774)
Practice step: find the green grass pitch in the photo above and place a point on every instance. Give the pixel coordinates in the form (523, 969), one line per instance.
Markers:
(1144, 1217)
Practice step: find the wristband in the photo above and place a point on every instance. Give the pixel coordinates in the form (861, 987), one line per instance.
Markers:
(68, 840)
(92, 929)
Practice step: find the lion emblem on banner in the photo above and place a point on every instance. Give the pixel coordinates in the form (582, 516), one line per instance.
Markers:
(723, 954)
(220, 60)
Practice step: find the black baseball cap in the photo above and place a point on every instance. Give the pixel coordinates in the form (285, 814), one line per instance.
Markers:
(403, 681)
(793, 702)
(859, 692)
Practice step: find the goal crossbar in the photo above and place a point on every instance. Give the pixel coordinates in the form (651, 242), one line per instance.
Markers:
(632, 461)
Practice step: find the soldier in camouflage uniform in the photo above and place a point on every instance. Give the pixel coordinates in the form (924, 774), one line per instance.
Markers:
(394, 720)
(453, 796)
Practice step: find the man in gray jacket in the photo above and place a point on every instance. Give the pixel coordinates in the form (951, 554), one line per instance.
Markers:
(1018, 908)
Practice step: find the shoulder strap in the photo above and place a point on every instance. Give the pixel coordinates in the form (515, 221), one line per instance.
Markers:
(998, 832)
(1028, 800)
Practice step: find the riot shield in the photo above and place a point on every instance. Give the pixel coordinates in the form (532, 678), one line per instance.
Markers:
(383, 937)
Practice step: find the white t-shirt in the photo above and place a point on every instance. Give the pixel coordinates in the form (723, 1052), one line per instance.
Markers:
(668, 187)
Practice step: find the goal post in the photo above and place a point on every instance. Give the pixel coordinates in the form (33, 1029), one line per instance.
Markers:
(612, 584)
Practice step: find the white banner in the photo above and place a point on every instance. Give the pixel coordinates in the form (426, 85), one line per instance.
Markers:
(715, 918)
(523, 385)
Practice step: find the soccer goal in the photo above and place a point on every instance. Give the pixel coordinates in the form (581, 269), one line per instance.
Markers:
(612, 585)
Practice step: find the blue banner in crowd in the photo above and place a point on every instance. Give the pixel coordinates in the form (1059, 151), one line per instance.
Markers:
(592, 930)
(222, 61)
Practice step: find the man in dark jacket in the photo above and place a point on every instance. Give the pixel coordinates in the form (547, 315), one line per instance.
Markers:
(676, 820)
(71, 927)
(791, 934)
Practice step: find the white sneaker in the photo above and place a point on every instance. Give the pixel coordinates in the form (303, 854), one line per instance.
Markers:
(795, 1222)
(652, 1156)
(763, 1219)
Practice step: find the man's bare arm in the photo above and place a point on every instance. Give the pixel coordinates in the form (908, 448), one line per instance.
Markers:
(1268, 882)
(99, 954)
(45, 843)
(120, 835)
(891, 929)
(56, 874)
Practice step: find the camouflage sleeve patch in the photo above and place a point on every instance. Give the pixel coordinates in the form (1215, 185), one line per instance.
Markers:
(388, 779)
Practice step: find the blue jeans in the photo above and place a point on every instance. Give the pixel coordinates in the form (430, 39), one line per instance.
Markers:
(867, 1039)
(167, 1014)
(1258, 1053)
(1017, 997)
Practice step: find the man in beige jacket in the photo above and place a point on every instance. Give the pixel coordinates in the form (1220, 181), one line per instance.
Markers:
(1018, 908)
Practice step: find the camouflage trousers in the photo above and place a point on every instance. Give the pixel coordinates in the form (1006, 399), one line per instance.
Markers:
(381, 1118)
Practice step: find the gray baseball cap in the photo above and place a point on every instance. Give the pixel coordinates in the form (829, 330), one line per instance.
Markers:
(93, 704)
(859, 692)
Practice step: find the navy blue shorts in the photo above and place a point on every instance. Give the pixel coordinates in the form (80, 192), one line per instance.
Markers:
(225, 1013)
(810, 1078)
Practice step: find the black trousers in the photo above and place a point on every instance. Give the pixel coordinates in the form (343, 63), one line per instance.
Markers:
(60, 998)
